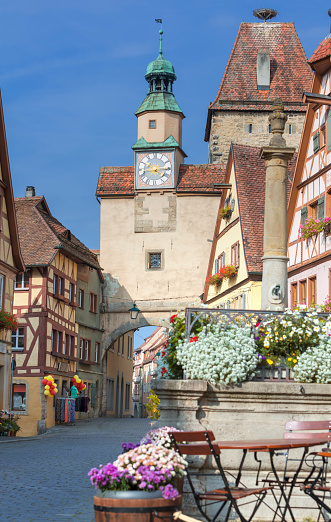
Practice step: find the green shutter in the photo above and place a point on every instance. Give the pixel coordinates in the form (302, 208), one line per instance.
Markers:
(328, 130)
(320, 205)
(316, 141)
(304, 215)
(93, 394)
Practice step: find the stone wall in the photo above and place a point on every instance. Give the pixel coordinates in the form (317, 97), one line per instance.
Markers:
(253, 410)
(234, 126)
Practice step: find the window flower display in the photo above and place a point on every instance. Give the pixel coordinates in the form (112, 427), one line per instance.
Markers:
(225, 212)
(8, 321)
(310, 228)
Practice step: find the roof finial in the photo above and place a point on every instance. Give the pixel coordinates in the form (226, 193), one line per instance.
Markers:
(159, 21)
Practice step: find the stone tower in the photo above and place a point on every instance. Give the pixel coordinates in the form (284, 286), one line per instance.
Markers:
(267, 61)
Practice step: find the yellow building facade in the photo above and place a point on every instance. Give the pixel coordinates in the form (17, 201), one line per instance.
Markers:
(118, 361)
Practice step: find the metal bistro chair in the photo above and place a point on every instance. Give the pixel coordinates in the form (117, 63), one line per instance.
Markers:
(317, 489)
(303, 430)
(226, 494)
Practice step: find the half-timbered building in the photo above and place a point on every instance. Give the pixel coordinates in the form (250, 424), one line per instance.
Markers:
(45, 301)
(309, 240)
(11, 262)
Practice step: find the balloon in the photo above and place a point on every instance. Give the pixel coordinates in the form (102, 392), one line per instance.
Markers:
(76, 376)
(84, 387)
(78, 381)
(53, 392)
(44, 381)
(46, 387)
(46, 392)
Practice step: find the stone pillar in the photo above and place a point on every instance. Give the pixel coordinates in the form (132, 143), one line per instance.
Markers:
(276, 155)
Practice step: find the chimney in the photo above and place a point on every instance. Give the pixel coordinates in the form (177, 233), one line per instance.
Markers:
(263, 70)
(30, 192)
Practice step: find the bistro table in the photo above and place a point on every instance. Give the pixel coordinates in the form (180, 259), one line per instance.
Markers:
(271, 446)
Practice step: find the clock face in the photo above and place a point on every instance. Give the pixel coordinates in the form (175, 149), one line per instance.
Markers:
(154, 169)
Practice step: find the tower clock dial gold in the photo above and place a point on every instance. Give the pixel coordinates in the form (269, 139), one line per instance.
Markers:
(154, 169)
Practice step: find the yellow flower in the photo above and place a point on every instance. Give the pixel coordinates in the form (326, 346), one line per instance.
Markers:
(289, 359)
(269, 361)
(295, 361)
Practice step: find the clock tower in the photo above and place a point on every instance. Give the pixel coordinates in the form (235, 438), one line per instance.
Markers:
(158, 152)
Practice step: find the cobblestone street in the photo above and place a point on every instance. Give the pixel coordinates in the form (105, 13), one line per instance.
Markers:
(45, 478)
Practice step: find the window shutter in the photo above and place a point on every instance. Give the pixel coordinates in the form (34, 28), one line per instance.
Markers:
(304, 215)
(320, 205)
(226, 202)
(93, 394)
(223, 259)
(316, 141)
(328, 130)
(232, 205)
(216, 266)
(237, 253)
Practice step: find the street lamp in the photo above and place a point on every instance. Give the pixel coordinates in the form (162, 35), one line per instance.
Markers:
(134, 311)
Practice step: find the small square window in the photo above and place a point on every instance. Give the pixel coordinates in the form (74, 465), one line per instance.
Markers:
(152, 124)
(154, 260)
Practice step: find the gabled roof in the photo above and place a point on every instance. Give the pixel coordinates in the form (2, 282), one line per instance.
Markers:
(250, 173)
(322, 51)
(290, 73)
(42, 236)
(9, 197)
(119, 181)
(170, 142)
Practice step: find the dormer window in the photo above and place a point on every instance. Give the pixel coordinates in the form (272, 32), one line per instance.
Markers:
(152, 124)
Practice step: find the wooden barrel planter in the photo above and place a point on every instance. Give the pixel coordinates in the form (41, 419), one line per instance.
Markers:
(134, 506)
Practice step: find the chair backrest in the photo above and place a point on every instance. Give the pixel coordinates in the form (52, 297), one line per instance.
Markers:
(302, 429)
(204, 448)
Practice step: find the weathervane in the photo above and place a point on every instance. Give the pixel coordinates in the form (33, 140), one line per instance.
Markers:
(265, 14)
(159, 21)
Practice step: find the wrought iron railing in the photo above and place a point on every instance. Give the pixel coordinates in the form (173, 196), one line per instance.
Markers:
(255, 319)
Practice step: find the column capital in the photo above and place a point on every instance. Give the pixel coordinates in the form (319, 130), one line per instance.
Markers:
(284, 153)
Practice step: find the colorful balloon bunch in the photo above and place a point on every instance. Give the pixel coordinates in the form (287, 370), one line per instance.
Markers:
(79, 383)
(50, 386)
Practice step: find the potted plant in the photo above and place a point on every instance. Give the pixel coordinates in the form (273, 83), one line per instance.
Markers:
(225, 212)
(310, 228)
(8, 424)
(7, 321)
(229, 271)
(327, 226)
(215, 279)
(140, 482)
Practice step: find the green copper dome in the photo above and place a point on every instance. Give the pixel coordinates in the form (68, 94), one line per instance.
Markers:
(160, 66)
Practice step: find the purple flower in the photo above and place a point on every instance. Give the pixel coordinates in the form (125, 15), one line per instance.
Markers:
(170, 492)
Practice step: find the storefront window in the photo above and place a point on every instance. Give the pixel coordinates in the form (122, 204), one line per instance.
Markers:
(19, 396)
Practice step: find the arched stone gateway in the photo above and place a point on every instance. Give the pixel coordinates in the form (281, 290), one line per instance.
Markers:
(141, 321)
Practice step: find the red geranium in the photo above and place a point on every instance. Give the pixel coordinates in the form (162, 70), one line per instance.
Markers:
(173, 318)
(194, 339)
(163, 371)
(163, 353)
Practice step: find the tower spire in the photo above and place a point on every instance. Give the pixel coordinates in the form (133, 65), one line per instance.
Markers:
(159, 21)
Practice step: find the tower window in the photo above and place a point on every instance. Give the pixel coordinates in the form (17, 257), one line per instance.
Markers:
(269, 128)
(250, 128)
(154, 260)
(152, 124)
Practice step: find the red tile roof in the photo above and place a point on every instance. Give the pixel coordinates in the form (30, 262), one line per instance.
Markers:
(115, 181)
(251, 195)
(290, 73)
(199, 178)
(41, 235)
(322, 51)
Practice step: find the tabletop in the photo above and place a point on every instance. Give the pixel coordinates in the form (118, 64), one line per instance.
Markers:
(267, 444)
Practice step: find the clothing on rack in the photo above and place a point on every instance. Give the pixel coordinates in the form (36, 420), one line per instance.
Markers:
(82, 404)
(65, 409)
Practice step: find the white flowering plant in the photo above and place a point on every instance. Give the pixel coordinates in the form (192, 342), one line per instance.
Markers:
(159, 437)
(286, 337)
(220, 356)
(314, 365)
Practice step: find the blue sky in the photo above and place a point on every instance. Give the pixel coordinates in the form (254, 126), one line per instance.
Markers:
(72, 76)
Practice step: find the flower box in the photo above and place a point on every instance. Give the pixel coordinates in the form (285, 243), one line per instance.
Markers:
(225, 212)
(327, 228)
